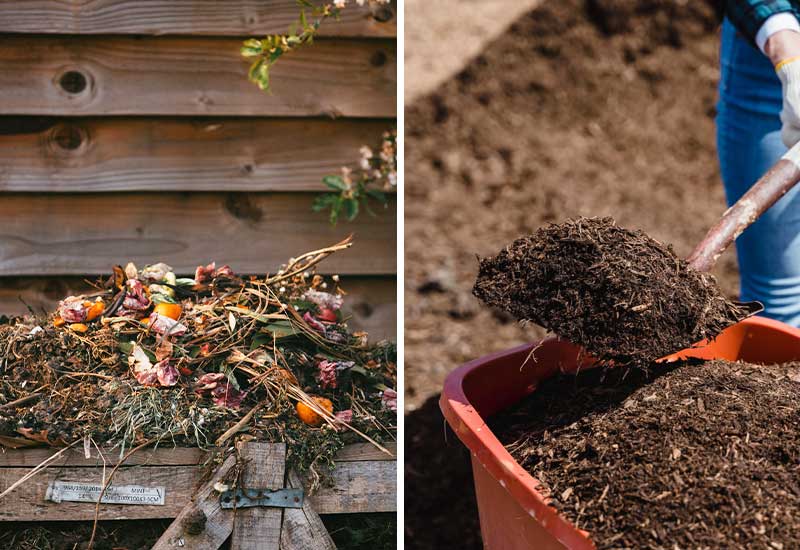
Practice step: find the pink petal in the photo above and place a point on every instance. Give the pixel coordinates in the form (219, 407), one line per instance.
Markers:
(162, 324)
(167, 373)
(313, 323)
(204, 274)
(72, 309)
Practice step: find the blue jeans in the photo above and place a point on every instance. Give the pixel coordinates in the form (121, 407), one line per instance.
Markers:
(748, 143)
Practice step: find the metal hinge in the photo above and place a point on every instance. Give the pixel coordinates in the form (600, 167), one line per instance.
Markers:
(249, 498)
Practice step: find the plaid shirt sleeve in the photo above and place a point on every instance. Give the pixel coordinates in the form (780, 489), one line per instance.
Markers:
(748, 15)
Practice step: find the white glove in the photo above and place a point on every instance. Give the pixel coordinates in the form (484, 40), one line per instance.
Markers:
(789, 74)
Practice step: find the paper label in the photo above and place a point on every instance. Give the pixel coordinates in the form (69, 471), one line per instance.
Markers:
(75, 491)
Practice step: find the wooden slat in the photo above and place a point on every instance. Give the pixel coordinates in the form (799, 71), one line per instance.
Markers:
(193, 76)
(371, 302)
(201, 17)
(124, 154)
(219, 523)
(366, 451)
(45, 234)
(172, 456)
(345, 495)
(359, 487)
(27, 503)
(303, 528)
(255, 528)
(162, 456)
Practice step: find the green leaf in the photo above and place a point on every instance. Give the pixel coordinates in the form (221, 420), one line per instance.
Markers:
(281, 329)
(335, 182)
(259, 340)
(377, 195)
(322, 202)
(185, 281)
(351, 209)
(163, 298)
(252, 74)
(251, 48)
(126, 347)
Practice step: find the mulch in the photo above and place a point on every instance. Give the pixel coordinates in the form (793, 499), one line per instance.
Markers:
(620, 294)
(703, 455)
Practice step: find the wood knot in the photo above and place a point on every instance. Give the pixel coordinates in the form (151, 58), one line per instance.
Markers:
(382, 13)
(74, 82)
(67, 139)
(241, 206)
(378, 58)
(194, 522)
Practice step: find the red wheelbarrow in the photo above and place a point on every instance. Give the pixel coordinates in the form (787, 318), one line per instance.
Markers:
(513, 512)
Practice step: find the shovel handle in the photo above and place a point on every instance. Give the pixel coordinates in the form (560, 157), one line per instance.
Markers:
(783, 175)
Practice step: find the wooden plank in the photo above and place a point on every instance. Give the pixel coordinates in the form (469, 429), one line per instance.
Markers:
(302, 528)
(358, 487)
(192, 76)
(260, 528)
(27, 503)
(199, 17)
(44, 234)
(365, 451)
(127, 154)
(162, 456)
(218, 523)
(371, 301)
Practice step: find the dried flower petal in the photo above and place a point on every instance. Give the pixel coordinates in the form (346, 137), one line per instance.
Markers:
(205, 274)
(72, 310)
(324, 299)
(161, 324)
(327, 374)
(225, 395)
(313, 323)
(389, 399)
(167, 373)
(135, 299)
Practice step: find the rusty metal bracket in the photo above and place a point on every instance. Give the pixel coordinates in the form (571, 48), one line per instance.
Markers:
(273, 498)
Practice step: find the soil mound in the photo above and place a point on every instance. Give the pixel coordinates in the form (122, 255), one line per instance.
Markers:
(578, 109)
(704, 456)
(619, 293)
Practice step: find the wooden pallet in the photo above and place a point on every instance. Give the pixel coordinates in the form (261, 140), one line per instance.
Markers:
(364, 480)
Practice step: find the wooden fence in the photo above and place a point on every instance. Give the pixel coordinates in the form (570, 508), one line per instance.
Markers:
(129, 131)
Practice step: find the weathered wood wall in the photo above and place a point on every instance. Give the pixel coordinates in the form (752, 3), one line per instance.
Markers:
(129, 131)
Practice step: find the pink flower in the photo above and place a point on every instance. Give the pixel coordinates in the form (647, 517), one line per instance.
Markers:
(210, 272)
(204, 274)
(166, 372)
(209, 381)
(72, 310)
(225, 395)
(389, 399)
(327, 374)
(161, 324)
(345, 415)
(313, 323)
(135, 299)
(147, 377)
(323, 299)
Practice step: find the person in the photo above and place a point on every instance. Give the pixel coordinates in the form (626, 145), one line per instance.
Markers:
(758, 120)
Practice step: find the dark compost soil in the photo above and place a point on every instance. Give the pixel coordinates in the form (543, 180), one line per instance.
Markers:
(580, 108)
(620, 294)
(706, 455)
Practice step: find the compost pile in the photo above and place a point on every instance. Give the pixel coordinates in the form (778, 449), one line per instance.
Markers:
(151, 357)
(620, 294)
(704, 456)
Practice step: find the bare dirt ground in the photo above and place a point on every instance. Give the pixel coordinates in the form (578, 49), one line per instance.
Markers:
(442, 35)
(579, 107)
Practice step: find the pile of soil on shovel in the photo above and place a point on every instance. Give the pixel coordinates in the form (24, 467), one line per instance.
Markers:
(704, 456)
(619, 293)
